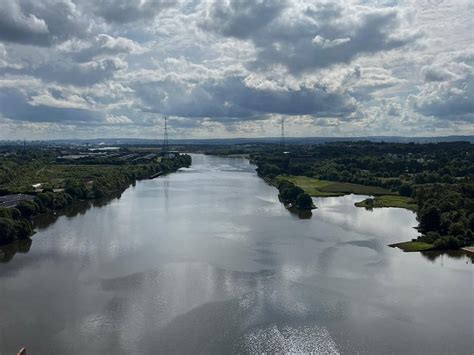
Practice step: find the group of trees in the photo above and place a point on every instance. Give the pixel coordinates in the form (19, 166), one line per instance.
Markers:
(13, 225)
(446, 214)
(294, 196)
(393, 166)
(439, 177)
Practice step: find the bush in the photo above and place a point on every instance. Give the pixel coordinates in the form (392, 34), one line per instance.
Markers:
(11, 213)
(27, 208)
(7, 231)
(290, 194)
(430, 237)
(446, 243)
(430, 219)
(405, 190)
(23, 229)
(44, 199)
(456, 228)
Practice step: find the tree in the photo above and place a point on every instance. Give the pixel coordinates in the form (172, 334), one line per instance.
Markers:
(446, 243)
(456, 229)
(405, 190)
(7, 231)
(304, 202)
(430, 219)
(290, 194)
(23, 229)
(27, 208)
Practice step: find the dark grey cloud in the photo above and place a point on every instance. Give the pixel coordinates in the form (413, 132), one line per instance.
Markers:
(320, 35)
(452, 101)
(125, 11)
(16, 26)
(80, 74)
(40, 23)
(435, 73)
(232, 98)
(241, 19)
(448, 89)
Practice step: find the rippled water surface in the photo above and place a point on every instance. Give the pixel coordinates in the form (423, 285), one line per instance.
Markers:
(207, 260)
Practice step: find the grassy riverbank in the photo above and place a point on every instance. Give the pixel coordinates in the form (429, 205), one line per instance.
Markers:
(412, 246)
(433, 180)
(325, 188)
(388, 201)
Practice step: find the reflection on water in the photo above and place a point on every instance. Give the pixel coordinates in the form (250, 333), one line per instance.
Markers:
(77, 208)
(7, 252)
(207, 260)
(434, 255)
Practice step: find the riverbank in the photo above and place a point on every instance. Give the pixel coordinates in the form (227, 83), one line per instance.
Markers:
(412, 246)
(325, 188)
(388, 201)
(82, 182)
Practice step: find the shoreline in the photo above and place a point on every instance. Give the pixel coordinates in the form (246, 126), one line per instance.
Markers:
(469, 250)
(71, 201)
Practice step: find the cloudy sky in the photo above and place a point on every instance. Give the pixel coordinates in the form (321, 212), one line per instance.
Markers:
(103, 68)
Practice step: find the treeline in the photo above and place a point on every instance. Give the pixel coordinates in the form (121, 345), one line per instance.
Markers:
(446, 214)
(439, 177)
(294, 196)
(15, 223)
(393, 166)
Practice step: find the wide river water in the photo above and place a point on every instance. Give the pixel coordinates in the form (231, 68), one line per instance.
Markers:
(207, 260)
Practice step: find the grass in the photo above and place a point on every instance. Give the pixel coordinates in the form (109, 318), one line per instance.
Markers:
(324, 188)
(412, 246)
(388, 201)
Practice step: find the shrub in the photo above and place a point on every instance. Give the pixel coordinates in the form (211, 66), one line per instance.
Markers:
(446, 243)
(405, 190)
(27, 208)
(7, 231)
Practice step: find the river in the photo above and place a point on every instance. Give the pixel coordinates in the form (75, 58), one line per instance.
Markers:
(207, 260)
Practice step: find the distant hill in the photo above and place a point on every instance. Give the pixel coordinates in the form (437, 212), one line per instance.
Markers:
(288, 140)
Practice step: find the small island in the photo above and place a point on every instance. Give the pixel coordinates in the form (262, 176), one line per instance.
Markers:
(294, 197)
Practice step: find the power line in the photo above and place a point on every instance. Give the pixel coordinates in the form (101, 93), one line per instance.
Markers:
(165, 136)
(282, 138)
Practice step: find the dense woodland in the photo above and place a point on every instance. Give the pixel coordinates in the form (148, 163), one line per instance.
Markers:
(439, 178)
(62, 184)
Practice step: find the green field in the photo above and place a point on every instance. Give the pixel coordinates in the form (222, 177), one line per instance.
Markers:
(324, 188)
(412, 246)
(388, 201)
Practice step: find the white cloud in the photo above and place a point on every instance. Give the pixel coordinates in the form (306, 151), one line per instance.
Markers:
(47, 99)
(328, 43)
(117, 119)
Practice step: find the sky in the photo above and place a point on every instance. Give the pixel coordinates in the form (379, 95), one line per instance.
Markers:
(217, 69)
